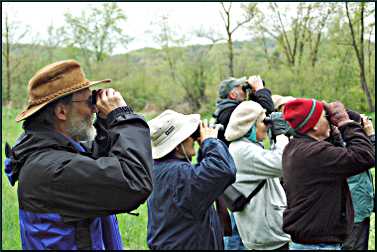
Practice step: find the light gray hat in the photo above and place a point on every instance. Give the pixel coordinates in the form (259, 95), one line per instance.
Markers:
(245, 115)
(281, 100)
(169, 129)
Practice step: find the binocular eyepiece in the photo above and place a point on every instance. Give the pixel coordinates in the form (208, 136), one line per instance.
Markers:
(94, 96)
(247, 88)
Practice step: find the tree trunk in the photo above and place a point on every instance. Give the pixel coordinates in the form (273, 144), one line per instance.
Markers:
(230, 48)
(7, 60)
(360, 54)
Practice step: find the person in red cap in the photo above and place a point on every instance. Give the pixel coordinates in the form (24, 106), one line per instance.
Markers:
(319, 214)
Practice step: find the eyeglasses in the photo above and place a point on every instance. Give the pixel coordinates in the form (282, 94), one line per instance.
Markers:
(92, 99)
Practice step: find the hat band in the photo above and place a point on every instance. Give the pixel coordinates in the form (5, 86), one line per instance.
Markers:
(163, 136)
(303, 123)
(59, 93)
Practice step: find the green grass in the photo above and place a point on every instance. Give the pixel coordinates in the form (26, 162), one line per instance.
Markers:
(133, 228)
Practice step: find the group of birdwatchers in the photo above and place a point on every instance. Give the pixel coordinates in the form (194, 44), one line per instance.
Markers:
(271, 172)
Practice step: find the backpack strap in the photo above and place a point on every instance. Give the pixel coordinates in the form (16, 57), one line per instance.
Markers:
(256, 190)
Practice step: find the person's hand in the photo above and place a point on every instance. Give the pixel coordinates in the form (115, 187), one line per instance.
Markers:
(207, 131)
(255, 82)
(279, 125)
(367, 125)
(338, 114)
(108, 100)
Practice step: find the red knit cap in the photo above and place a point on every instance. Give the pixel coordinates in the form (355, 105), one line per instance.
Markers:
(303, 114)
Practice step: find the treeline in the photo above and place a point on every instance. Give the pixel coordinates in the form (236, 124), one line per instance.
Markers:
(325, 51)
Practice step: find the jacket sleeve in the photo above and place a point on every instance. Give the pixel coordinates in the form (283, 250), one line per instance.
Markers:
(357, 156)
(263, 97)
(84, 186)
(207, 180)
(264, 163)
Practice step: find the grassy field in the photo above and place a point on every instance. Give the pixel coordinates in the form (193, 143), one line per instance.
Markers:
(133, 228)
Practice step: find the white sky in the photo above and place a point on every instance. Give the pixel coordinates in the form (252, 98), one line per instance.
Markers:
(185, 17)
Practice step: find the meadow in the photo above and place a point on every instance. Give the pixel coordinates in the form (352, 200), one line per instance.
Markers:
(133, 228)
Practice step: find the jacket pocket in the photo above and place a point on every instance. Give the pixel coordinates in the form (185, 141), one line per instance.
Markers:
(274, 216)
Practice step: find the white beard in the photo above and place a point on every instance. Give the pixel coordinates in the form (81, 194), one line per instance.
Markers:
(80, 130)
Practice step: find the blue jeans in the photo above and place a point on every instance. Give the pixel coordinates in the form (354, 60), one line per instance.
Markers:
(317, 246)
(233, 242)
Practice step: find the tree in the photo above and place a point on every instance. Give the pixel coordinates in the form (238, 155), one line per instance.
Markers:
(194, 79)
(11, 35)
(359, 49)
(187, 67)
(316, 28)
(97, 31)
(226, 17)
(169, 41)
(54, 40)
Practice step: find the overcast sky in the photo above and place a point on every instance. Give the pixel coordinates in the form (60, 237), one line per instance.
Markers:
(184, 17)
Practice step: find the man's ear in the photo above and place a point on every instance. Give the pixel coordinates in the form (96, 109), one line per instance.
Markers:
(61, 112)
(232, 95)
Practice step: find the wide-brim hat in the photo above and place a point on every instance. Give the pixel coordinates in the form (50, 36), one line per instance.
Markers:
(169, 129)
(52, 82)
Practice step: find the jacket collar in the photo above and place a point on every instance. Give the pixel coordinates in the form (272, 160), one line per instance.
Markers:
(222, 104)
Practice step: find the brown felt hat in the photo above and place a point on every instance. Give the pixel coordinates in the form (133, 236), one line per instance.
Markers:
(52, 82)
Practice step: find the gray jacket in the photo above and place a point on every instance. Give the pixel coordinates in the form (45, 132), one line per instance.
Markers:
(260, 224)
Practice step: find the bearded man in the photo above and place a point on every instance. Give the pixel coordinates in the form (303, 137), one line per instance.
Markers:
(74, 177)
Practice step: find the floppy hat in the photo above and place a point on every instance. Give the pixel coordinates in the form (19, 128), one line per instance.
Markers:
(227, 85)
(303, 114)
(281, 100)
(52, 82)
(245, 115)
(169, 129)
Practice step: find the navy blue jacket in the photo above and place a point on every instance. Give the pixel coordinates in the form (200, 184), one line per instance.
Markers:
(180, 209)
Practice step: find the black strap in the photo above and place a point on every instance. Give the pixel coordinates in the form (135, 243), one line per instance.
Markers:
(83, 238)
(256, 190)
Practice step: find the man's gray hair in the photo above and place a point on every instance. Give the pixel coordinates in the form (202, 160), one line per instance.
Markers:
(46, 116)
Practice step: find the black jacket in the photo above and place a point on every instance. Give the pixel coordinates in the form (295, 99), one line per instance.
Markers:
(315, 175)
(262, 96)
(113, 176)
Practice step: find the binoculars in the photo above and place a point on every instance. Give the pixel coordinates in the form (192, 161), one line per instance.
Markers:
(267, 121)
(247, 88)
(94, 96)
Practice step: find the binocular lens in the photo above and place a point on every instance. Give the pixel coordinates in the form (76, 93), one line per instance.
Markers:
(94, 96)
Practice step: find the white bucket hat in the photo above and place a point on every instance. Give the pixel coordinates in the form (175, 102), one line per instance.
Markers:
(169, 129)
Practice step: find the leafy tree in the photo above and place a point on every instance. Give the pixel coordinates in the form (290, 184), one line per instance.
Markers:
(230, 30)
(12, 32)
(97, 31)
